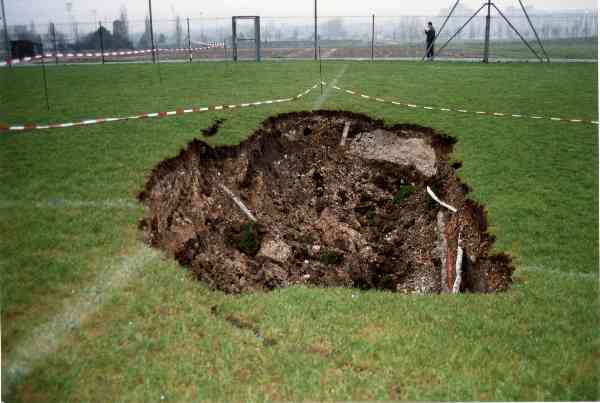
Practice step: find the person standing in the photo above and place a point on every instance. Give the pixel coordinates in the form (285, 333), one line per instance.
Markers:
(430, 34)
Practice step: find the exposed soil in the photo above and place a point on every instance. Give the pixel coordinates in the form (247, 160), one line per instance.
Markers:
(212, 129)
(356, 215)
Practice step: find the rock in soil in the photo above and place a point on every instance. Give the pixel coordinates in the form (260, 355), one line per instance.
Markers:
(328, 215)
(382, 145)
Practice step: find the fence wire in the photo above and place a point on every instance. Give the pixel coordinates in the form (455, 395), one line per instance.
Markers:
(565, 36)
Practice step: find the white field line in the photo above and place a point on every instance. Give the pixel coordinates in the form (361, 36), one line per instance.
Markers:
(59, 203)
(47, 338)
(327, 90)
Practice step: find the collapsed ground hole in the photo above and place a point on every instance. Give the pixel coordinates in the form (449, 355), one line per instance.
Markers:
(330, 212)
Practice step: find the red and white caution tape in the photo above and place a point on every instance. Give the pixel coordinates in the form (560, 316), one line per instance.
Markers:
(465, 111)
(88, 55)
(37, 126)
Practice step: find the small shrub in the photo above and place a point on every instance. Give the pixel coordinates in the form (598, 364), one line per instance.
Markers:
(404, 191)
(250, 240)
(371, 216)
(307, 238)
(330, 257)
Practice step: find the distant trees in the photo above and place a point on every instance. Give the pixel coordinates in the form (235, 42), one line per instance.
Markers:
(178, 32)
(124, 21)
(23, 32)
(118, 39)
(92, 41)
(103, 36)
(123, 35)
(333, 29)
(145, 41)
(55, 36)
(162, 40)
(121, 31)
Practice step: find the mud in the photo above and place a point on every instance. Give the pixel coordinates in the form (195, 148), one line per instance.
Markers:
(356, 215)
(213, 129)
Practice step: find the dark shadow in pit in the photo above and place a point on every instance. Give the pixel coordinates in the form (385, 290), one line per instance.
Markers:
(328, 214)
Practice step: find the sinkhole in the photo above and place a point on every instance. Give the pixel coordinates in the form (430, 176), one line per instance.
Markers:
(324, 199)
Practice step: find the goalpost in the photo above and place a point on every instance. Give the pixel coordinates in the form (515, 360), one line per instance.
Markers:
(235, 39)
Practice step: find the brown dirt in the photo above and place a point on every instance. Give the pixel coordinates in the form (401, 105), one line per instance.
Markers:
(328, 215)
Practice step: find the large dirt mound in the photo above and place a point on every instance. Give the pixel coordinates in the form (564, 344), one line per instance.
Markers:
(328, 214)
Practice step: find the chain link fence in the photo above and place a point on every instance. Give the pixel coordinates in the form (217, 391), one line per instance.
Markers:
(564, 36)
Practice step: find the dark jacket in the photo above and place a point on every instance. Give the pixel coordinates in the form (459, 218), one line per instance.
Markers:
(430, 35)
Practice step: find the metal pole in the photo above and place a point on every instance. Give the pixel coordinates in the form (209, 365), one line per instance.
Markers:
(320, 71)
(373, 38)
(151, 32)
(101, 41)
(460, 30)
(6, 41)
(45, 79)
(234, 38)
(518, 33)
(257, 37)
(534, 30)
(158, 68)
(488, 20)
(441, 29)
(316, 33)
(53, 27)
(189, 40)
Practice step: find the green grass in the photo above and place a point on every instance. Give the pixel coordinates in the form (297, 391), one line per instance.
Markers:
(330, 257)
(404, 191)
(69, 216)
(572, 48)
(249, 242)
(557, 49)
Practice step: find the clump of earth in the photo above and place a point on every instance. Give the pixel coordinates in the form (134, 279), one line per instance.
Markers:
(323, 211)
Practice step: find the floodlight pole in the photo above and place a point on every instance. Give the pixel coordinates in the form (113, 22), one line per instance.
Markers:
(460, 29)
(537, 37)
(489, 4)
(151, 31)
(488, 20)
(518, 33)
(6, 42)
(316, 33)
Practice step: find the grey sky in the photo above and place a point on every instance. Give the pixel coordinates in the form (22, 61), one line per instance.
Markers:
(24, 11)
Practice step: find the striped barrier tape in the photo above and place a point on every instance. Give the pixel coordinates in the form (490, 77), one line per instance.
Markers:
(181, 111)
(465, 111)
(87, 55)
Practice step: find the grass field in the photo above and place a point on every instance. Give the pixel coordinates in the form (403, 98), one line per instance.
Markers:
(573, 48)
(91, 314)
